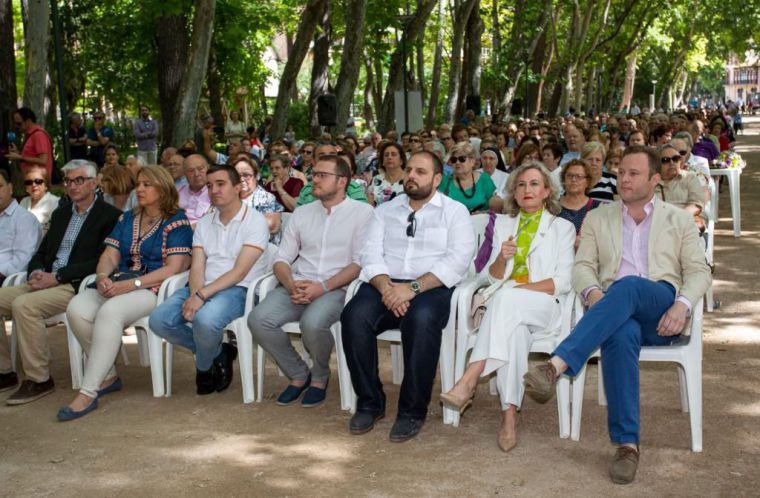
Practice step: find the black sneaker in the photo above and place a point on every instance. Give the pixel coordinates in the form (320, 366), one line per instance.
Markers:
(405, 429)
(204, 381)
(223, 367)
(8, 381)
(31, 391)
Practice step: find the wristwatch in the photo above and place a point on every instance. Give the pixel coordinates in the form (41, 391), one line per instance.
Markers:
(138, 283)
(415, 285)
(58, 278)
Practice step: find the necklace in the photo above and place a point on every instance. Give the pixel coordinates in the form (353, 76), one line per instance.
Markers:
(472, 190)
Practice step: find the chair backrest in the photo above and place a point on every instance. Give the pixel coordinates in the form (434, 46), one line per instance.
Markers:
(14, 279)
(479, 223)
(284, 219)
(712, 203)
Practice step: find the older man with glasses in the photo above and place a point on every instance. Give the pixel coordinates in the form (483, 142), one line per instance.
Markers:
(68, 253)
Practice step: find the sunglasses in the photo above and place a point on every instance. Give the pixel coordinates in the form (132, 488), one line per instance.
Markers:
(673, 159)
(458, 159)
(99, 118)
(411, 229)
(36, 181)
(414, 140)
(683, 152)
(307, 151)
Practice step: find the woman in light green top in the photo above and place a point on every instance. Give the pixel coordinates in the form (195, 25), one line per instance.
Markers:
(474, 189)
(532, 257)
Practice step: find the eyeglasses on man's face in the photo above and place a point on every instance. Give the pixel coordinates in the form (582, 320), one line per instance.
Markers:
(79, 180)
(324, 174)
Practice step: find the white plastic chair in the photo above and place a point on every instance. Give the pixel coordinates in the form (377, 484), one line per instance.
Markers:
(687, 353)
(446, 357)
(712, 217)
(467, 335)
(239, 327)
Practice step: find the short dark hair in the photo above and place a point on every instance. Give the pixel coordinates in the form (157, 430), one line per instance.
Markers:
(381, 152)
(554, 148)
(437, 163)
(5, 176)
(653, 157)
(26, 113)
(231, 172)
(340, 164)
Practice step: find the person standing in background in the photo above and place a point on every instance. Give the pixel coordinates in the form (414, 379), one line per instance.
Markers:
(146, 134)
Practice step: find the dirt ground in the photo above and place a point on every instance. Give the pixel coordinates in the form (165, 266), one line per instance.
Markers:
(137, 445)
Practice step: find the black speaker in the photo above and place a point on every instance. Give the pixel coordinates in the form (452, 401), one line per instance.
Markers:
(327, 110)
(516, 109)
(472, 103)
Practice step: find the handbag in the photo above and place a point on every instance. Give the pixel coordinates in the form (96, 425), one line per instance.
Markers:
(480, 301)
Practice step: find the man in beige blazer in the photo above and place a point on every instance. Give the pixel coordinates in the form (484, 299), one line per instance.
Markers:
(640, 269)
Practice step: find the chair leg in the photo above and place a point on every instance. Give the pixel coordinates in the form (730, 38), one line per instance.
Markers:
(260, 366)
(579, 386)
(397, 361)
(344, 376)
(492, 388)
(154, 345)
(76, 361)
(446, 365)
(14, 344)
(143, 347)
(693, 377)
(709, 299)
(245, 358)
(563, 406)
(169, 367)
(124, 357)
(682, 384)
(600, 385)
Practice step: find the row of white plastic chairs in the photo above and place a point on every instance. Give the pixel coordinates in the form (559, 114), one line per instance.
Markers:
(458, 339)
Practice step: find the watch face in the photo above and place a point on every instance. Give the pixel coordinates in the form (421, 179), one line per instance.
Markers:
(138, 283)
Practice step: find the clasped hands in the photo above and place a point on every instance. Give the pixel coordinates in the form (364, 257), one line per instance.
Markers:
(305, 291)
(108, 288)
(671, 322)
(396, 297)
(40, 280)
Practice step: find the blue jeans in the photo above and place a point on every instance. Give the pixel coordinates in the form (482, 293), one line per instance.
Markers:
(621, 322)
(204, 336)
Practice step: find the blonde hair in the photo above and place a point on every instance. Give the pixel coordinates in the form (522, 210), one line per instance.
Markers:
(551, 203)
(465, 148)
(591, 147)
(119, 178)
(163, 181)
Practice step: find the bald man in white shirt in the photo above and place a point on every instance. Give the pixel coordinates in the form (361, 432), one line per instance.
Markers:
(419, 246)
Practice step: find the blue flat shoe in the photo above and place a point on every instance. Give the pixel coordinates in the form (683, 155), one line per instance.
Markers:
(116, 385)
(292, 393)
(65, 413)
(314, 396)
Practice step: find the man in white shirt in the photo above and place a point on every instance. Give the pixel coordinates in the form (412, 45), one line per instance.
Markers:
(318, 256)
(419, 246)
(21, 231)
(227, 256)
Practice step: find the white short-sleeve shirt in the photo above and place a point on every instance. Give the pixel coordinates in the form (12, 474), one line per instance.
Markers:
(222, 243)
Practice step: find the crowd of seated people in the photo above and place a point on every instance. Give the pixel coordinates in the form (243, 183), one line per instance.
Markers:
(394, 212)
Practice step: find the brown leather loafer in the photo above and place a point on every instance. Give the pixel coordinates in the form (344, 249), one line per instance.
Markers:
(540, 381)
(624, 464)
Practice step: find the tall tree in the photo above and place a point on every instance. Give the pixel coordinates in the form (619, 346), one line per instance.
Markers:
(460, 16)
(36, 46)
(310, 16)
(320, 68)
(192, 80)
(435, 80)
(8, 96)
(172, 52)
(353, 47)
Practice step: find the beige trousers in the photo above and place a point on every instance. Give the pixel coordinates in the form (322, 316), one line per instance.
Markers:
(30, 309)
(99, 324)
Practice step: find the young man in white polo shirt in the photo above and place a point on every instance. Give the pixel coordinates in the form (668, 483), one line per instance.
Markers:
(227, 247)
(318, 257)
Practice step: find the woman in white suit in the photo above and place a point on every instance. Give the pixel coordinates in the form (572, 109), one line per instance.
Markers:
(533, 256)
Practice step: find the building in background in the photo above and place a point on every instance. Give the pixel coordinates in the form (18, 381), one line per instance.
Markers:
(741, 79)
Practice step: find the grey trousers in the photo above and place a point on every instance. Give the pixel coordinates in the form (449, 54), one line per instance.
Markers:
(268, 317)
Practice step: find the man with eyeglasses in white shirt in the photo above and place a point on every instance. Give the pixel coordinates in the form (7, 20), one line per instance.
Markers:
(317, 258)
(419, 246)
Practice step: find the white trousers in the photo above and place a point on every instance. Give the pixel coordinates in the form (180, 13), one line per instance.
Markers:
(514, 318)
(99, 323)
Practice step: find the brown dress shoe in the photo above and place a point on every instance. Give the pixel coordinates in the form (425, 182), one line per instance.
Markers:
(31, 391)
(624, 464)
(540, 381)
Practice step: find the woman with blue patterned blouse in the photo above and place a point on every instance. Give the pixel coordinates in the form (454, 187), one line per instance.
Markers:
(148, 245)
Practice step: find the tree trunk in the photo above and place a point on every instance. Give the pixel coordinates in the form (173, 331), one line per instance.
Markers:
(420, 51)
(310, 16)
(369, 82)
(320, 76)
(172, 44)
(192, 80)
(460, 17)
(377, 89)
(350, 62)
(474, 32)
(8, 96)
(412, 31)
(630, 78)
(36, 46)
(537, 67)
(214, 86)
(435, 82)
